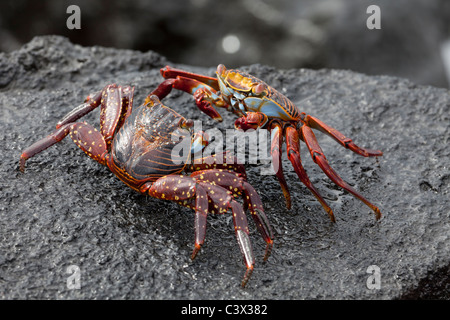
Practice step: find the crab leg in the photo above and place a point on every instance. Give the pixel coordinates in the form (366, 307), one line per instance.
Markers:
(116, 105)
(221, 201)
(88, 139)
(255, 120)
(208, 198)
(84, 135)
(205, 96)
(276, 133)
(100, 98)
(182, 189)
(243, 239)
(339, 137)
(260, 218)
(201, 212)
(169, 72)
(319, 158)
(225, 161)
(237, 185)
(293, 151)
(92, 102)
(39, 146)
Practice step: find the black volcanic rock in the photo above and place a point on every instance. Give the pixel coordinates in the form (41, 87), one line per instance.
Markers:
(68, 210)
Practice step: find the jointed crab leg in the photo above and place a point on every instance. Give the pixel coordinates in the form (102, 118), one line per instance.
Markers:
(115, 102)
(208, 197)
(276, 132)
(254, 120)
(242, 235)
(84, 135)
(169, 72)
(293, 151)
(199, 89)
(237, 186)
(260, 218)
(201, 213)
(319, 158)
(91, 102)
(39, 146)
(225, 161)
(315, 123)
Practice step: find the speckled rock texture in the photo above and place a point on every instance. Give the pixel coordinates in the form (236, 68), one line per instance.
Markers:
(68, 210)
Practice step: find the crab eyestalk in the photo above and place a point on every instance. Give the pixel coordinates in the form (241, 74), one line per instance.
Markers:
(221, 70)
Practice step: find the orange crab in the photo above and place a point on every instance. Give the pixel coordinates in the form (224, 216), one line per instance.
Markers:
(258, 105)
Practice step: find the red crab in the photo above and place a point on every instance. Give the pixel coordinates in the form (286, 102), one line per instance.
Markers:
(137, 146)
(260, 106)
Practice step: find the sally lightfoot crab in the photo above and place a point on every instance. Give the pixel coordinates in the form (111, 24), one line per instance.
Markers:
(138, 145)
(258, 105)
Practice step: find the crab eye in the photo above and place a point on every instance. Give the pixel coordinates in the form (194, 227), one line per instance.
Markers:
(221, 69)
(259, 89)
(153, 100)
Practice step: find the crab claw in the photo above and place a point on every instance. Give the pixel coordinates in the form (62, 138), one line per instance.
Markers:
(201, 97)
(252, 120)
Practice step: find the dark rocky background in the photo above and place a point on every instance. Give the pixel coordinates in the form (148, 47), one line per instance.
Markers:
(68, 210)
(282, 33)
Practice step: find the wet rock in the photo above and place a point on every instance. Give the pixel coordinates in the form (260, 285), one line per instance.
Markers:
(67, 210)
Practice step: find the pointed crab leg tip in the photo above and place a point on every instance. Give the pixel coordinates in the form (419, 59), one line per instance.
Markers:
(22, 161)
(377, 214)
(331, 214)
(247, 275)
(288, 205)
(195, 251)
(268, 251)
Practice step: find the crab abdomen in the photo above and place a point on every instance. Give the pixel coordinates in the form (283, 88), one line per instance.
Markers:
(150, 145)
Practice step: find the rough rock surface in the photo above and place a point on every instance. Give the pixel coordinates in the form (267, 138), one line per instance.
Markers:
(68, 210)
